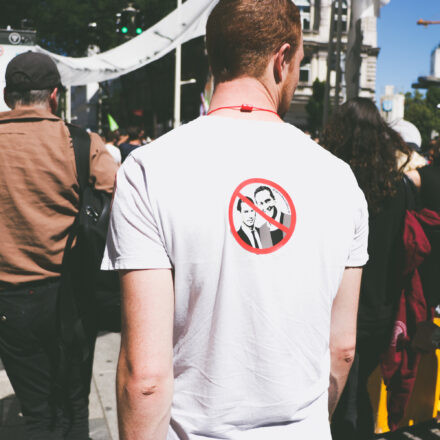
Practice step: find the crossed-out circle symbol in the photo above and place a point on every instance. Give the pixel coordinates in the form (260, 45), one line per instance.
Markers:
(273, 232)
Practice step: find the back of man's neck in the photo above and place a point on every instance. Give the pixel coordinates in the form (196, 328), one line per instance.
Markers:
(245, 90)
(32, 107)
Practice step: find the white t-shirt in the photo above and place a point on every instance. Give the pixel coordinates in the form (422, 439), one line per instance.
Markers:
(115, 152)
(251, 325)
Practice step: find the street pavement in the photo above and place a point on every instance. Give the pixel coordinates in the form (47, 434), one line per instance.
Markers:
(103, 418)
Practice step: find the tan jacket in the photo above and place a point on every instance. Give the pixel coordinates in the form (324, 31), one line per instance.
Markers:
(39, 192)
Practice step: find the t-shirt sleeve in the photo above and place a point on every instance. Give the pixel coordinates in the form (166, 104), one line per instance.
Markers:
(358, 254)
(133, 239)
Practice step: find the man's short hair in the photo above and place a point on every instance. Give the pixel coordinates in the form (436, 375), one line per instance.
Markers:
(134, 132)
(264, 188)
(241, 35)
(111, 135)
(241, 201)
(27, 97)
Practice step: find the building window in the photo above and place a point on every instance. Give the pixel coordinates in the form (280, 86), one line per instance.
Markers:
(344, 15)
(305, 11)
(304, 72)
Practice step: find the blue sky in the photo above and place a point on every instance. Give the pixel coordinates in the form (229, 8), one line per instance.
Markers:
(405, 46)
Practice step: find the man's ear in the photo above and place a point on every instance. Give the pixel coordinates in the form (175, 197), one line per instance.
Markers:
(53, 100)
(5, 98)
(281, 60)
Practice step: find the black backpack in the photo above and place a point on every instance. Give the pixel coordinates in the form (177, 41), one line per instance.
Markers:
(89, 298)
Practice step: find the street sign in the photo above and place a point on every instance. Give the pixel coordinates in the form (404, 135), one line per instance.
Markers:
(387, 105)
(17, 38)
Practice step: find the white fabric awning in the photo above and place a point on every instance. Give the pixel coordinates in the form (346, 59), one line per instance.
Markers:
(176, 28)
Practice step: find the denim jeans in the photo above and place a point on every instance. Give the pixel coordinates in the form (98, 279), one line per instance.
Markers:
(29, 349)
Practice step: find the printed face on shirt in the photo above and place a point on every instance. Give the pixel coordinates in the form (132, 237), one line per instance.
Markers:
(248, 215)
(266, 202)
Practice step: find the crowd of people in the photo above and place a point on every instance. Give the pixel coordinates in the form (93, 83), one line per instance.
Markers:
(296, 276)
(120, 143)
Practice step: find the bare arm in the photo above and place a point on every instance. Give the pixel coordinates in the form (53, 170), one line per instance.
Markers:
(144, 382)
(415, 177)
(343, 333)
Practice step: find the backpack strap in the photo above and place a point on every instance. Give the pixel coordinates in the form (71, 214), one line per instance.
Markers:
(70, 325)
(81, 146)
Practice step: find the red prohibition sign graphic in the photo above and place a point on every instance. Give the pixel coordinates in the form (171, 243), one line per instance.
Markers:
(280, 227)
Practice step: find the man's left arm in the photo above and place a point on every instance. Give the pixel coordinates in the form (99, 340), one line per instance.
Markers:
(343, 334)
(103, 168)
(145, 368)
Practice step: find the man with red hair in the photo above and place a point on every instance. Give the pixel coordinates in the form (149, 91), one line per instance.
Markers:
(222, 339)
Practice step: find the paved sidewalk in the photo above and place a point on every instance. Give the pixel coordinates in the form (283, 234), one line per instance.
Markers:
(103, 420)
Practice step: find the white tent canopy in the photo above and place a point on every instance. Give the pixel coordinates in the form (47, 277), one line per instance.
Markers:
(179, 26)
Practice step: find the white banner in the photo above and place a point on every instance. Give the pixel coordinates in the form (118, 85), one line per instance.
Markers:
(176, 28)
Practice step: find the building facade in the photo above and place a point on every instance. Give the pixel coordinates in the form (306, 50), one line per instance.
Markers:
(316, 21)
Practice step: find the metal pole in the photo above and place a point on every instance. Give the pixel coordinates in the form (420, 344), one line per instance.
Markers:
(99, 108)
(329, 60)
(69, 104)
(338, 54)
(177, 76)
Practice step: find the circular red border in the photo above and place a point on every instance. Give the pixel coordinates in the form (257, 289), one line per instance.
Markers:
(292, 216)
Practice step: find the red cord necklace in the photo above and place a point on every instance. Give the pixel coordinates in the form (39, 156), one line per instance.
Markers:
(245, 108)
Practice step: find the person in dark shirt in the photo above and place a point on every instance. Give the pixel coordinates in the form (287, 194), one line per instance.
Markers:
(427, 181)
(358, 135)
(134, 141)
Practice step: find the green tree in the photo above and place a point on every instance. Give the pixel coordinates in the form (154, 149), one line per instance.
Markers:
(315, 107)
(422, 111)
(62, 25)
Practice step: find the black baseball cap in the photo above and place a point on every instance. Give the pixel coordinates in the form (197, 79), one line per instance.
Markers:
(32, 71)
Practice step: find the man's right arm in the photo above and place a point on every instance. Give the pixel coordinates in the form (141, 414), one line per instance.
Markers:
(144, 382)
(343, 333)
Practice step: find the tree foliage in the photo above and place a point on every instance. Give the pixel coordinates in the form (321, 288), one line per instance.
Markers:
(62, 25)
(315, 107)
(422, 111)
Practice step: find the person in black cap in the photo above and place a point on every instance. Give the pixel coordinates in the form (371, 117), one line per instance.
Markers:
(39, 200)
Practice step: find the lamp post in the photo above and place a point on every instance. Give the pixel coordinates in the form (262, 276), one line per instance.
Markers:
(178, 73)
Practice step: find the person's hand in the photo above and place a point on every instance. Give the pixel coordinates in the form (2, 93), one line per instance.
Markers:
(423, 339)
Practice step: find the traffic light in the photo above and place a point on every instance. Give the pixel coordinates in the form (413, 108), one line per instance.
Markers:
(139, 23)
(129, 22)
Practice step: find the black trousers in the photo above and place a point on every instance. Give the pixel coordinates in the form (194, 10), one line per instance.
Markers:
(353, 417)
(29, 349)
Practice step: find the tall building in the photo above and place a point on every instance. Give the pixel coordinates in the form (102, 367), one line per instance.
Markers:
(316, 19)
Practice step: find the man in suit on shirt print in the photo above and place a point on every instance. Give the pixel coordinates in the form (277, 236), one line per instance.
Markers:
(265, 200)
(247, 231)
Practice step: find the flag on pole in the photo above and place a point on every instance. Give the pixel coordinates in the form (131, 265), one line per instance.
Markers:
(112, 123)
(360, 9)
